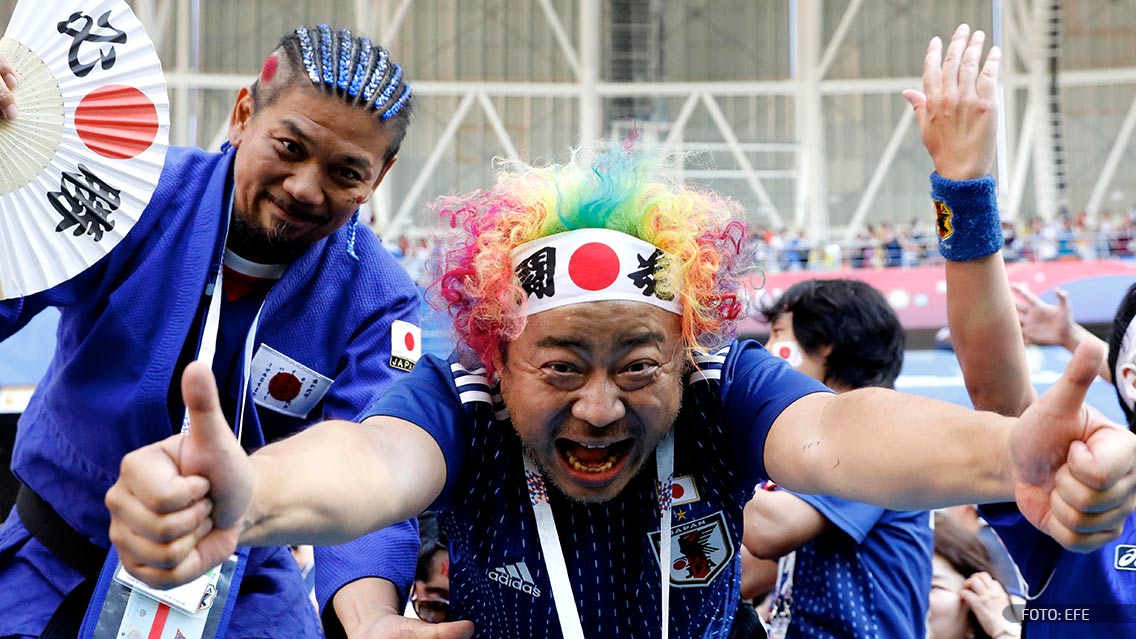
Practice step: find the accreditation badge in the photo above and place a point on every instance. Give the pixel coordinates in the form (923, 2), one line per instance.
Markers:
(125, 608)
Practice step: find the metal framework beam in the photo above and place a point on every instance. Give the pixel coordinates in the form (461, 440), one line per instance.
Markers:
(838, 37)
(1113, 161)
(768, 208)
(410, 200)
(879, 174)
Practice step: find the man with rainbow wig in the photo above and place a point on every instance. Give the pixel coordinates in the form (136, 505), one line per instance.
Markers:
(592, 443)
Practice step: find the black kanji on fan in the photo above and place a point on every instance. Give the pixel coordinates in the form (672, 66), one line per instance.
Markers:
(644, 278)
(85, 201)
(537, 273)
(83, 34)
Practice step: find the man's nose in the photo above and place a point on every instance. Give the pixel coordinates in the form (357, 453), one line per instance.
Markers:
(600, 402)
(305, 184)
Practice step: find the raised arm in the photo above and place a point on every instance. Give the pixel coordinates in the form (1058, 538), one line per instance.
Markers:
(181, 505)
(958, 114)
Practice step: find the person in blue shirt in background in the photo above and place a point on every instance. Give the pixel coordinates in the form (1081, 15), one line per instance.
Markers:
(846, 569)
(1092, 592)
(315, 320)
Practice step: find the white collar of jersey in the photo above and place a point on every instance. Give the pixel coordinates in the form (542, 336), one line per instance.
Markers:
(253, 269)
(592, 265)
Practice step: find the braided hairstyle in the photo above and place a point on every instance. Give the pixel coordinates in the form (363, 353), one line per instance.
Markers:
(344, 65)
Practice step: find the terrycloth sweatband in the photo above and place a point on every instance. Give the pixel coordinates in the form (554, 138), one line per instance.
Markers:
(591, 265)
(966, 217)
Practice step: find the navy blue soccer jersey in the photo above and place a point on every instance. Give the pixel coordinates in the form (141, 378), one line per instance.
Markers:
(867, 576)
(498, 575)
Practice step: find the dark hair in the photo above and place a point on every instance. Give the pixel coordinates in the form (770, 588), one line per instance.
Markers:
(854, 320)
(351, 67)
(433, 540)
(966, 553)
(1124, 315)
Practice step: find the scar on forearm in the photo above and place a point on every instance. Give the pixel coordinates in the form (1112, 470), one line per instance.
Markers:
(812, 444)
(833, 467)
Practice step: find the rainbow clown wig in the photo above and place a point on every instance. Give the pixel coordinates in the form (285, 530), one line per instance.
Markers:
(704, 252)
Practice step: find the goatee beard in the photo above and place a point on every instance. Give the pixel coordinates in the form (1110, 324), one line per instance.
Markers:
(268, 246)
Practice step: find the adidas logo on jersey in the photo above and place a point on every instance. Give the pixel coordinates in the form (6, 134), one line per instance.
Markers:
(517, 577)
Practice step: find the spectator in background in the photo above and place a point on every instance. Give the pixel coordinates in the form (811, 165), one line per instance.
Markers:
(846, 568)
(1002, 566)
(430, 595)
(966, 600)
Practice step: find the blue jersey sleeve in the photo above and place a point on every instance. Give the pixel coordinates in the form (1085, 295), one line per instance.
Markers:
(756, 388)
(852, 517)
(429, 398)
(391, 554)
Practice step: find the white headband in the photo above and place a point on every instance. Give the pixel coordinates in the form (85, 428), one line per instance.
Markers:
(591, 265)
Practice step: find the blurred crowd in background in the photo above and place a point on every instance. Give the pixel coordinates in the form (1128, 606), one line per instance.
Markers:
(1110, 235)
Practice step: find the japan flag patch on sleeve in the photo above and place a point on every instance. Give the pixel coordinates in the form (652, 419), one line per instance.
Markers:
(284, 385)
(406, 345)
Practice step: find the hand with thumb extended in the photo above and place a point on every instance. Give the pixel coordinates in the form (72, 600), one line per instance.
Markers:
(176, 507)
(1075, 472)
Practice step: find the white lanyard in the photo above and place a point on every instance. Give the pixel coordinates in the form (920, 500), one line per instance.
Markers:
(550, 546)
(781, 614)
(208, 348)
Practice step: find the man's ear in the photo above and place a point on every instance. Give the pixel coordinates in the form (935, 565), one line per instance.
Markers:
(1127, 382)
(242, 113)
(383, 173)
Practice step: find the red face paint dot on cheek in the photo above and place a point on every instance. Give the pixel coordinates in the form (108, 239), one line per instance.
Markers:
(269, 70)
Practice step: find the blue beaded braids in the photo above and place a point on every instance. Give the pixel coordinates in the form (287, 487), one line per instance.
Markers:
(354, 68)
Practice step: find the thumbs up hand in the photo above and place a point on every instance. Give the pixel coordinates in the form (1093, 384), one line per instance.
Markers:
(1076, 471)
(176, 507)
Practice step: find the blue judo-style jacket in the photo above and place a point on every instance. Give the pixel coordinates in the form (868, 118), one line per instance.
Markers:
(124, 323)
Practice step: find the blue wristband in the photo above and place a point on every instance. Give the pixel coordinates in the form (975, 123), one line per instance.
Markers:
(966, 217)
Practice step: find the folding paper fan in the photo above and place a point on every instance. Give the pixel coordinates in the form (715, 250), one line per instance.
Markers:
(80, 162)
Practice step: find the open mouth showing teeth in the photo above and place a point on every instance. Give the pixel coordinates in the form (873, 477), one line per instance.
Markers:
(593, 459)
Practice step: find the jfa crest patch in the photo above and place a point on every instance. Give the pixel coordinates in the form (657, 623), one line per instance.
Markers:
(700, 550)
(943, 215)
(284, 385)
(406, 345)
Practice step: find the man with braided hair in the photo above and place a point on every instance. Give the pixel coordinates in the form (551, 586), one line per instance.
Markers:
(249, 258)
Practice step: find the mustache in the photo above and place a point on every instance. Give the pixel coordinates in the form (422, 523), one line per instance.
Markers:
(295, 209)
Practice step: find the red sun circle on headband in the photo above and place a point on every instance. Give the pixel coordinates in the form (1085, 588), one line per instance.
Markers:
(593, 266)
(784, 352)
(117, 121)
(284, 387)
(408, 340)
